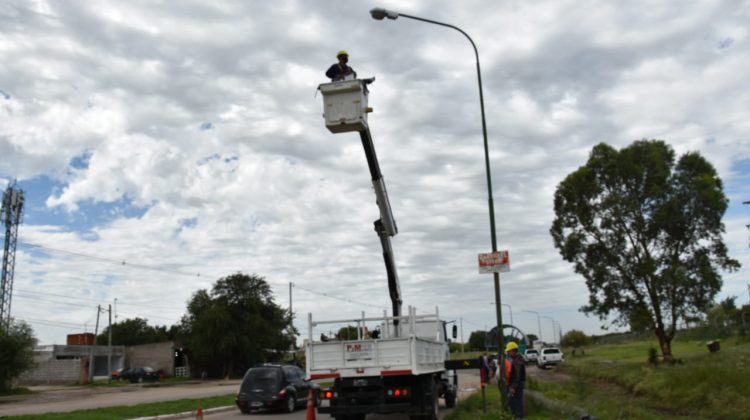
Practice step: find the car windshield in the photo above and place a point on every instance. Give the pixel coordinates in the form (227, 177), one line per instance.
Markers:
(532, 351)
(549, 351)
(267, 379)
(148, 369)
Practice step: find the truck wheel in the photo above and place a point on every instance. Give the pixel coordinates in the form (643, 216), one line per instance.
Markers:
(450, 399)
(434, 406)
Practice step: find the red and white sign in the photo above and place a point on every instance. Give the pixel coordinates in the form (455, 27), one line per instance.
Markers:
(494, 262)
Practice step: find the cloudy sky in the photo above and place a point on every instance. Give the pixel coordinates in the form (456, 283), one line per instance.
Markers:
(163, 145)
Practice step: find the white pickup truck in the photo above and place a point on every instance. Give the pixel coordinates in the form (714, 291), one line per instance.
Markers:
(402, 370)
(549, 356)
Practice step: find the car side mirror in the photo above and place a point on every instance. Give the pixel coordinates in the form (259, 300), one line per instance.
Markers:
(455, 332)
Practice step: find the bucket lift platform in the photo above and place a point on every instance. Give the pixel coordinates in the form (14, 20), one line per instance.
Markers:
(345, 105)
(345, 109)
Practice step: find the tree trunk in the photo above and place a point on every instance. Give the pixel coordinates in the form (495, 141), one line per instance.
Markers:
(666, 345)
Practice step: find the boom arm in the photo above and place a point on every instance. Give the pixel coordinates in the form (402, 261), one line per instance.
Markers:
(386, 225)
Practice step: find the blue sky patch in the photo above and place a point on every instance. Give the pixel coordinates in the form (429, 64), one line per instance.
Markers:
(4, 95)
(207, 126)
(82, 161)
(88, 216)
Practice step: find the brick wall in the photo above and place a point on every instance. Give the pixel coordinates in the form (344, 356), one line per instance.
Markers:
(159, 356)
(52, 372)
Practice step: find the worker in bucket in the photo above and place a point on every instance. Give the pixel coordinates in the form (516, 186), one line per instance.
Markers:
(517, 380)
(340, 70)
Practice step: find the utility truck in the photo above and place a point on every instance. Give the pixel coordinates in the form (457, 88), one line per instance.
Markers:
(399, 364)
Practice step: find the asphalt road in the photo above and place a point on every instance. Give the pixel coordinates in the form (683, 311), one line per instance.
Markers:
(468, 383)
(300, 415)
(66, 399)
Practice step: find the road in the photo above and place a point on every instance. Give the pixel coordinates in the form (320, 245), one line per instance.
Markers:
(82, 398)
(468, 382)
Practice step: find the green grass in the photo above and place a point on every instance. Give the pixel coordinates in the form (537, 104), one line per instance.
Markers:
(472, 408)
(132, 411)
(615, 381)
(466, 355)
(16, 391)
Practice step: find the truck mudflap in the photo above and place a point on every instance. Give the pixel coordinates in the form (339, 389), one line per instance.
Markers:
(382, 395)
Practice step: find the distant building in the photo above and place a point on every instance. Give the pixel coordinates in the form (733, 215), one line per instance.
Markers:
(59, 364)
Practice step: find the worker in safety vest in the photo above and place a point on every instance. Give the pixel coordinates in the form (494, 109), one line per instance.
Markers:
(516, 381)
(340, 70)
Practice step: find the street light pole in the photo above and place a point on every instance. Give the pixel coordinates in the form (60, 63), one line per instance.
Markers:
(380, 14)
(538, 324)
(510, 308)
(553, 325)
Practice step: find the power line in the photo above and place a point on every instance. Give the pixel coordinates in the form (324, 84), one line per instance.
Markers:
(24, 296)
(121, 262)
(67, 326)
(337, 298)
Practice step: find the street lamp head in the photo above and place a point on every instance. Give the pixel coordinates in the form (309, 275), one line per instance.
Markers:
(379, 13)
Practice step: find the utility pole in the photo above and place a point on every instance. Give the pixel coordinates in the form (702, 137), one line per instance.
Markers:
(462, 333)
(93, 347)
(109, 344)
(290, 299)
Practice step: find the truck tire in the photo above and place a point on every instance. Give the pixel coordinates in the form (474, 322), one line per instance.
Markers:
(434, 404)
(450, 399)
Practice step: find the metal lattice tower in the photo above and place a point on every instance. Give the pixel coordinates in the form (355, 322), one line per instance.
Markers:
(12, 209)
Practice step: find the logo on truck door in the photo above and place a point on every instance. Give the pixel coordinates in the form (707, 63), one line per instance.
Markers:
(358, 351)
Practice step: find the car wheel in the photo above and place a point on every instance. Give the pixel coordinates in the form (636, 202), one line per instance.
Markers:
(290, 404)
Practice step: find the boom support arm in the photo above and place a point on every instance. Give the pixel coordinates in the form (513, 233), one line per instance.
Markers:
(386, 225)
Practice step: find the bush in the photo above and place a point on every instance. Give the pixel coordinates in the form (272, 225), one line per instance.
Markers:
(16, 352)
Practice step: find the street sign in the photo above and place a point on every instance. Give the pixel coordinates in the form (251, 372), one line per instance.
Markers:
(494, 262)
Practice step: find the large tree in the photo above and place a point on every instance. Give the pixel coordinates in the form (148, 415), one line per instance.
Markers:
(236, 325)
(644, 230)
(16, 352)
(134, 331)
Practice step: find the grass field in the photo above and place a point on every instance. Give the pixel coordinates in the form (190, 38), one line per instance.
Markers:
(616, 381)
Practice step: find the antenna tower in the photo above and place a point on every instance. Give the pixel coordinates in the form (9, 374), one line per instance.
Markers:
(12, 209)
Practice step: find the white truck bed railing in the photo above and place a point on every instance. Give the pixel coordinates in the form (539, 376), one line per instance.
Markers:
(416, 346)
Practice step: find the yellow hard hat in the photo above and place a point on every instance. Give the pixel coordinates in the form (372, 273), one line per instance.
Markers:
(342, 52)
(511, 346)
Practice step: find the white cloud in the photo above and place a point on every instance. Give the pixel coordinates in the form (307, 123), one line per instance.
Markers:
(264, 188)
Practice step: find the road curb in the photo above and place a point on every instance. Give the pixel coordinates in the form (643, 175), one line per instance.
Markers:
(188, 414)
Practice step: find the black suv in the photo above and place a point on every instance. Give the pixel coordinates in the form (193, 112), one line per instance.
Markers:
(274, 386)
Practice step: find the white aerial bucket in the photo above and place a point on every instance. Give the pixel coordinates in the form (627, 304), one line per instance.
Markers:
(345, 105)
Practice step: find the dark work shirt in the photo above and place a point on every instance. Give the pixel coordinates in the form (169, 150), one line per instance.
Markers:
(338, 72)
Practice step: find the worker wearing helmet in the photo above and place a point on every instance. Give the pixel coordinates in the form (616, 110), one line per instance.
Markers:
(340, 70)
(517, 380)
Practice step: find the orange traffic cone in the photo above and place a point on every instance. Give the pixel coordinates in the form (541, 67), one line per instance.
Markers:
(199, 413)
(310, 406)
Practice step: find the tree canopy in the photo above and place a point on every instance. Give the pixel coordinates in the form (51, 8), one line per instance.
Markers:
(236, 325)
(17, 344)
(644, 230)
(134, 331)
(477, 340)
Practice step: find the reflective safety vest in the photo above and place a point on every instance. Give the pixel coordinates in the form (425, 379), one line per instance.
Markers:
(508, 367)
